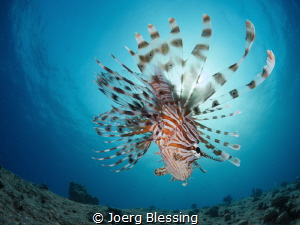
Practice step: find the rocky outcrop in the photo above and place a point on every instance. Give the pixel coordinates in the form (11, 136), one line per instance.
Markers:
(78, 193)
(23, 203)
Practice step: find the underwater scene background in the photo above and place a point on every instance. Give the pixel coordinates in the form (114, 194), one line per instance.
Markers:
(48, 98)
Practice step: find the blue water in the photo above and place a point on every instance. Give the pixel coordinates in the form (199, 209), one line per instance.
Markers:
(48, 99)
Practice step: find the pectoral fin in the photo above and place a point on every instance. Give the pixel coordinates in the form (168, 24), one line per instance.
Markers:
(160, 171)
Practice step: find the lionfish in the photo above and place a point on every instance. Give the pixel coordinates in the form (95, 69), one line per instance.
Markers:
(168, 101)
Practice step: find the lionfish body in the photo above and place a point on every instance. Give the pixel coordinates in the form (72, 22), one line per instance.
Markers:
(167, 102)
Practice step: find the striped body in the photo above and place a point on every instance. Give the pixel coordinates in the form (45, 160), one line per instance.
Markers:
(169, 102)
(177, 138)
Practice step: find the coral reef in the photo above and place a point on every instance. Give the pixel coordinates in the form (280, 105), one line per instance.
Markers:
(23, 203)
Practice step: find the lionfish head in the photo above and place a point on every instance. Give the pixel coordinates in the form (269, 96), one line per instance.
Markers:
(178, 163)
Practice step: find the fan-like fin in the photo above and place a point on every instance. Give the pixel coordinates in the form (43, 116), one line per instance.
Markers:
(146, 60)
(132, 149)
(119, 134)
(210, 157)
(197, 165)
(135, 101)
(136, 75)
(203, 127)
(258, 79)
(124, 146)
(138, 151)
(143, 149)
(124, 92)
(229, 145)
(132, 83)
(167, 60)
(197, 112)
(206, 88)
(118, 76)
(200, 118)
(117, 120)
(193, 66)
(161, 171)
(221, 154)
(114, 93)
(116, 123)
(174, 58)
(141, 58)
(152, 115)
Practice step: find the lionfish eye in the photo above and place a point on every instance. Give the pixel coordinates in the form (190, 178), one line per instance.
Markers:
(198, 150)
